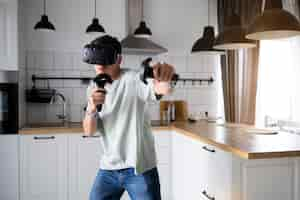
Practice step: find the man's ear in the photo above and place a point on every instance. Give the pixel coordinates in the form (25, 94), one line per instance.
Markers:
(119, 59)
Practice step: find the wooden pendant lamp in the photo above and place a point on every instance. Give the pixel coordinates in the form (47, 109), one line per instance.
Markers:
(273, 23)
(233, 36)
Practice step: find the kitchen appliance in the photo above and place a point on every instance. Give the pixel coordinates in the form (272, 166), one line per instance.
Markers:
(9, 103)
(136, 44)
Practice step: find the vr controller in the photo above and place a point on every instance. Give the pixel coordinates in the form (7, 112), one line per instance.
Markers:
(148, 71)
(101, 81)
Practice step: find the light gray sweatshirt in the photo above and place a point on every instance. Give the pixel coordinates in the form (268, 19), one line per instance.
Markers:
(124, 124)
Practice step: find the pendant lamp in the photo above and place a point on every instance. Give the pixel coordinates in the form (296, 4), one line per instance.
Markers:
(95, 27)
(273, 23)
(205, 43)
(44, 24)
(142, 31)
(233, 36)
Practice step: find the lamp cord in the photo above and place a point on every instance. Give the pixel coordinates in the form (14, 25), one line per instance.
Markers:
(208, 11)
(44, 7)
(142, 10)
(95, 9)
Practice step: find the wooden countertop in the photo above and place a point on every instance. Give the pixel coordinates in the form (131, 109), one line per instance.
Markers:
(237, 140)
(75, 128)
(231, 138)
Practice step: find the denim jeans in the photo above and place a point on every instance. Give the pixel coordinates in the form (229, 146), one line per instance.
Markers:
(111, 184)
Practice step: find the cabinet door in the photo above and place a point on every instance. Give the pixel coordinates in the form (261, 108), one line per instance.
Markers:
(165, 181)
(84, 156)
(178, 167)
(197, 170)
(9, 167)
(220, 173)
(8, 35)
(43, 167)
(269, 179)
(163, 153)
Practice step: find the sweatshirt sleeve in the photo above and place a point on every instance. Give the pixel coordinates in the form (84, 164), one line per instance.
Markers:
(145, 91)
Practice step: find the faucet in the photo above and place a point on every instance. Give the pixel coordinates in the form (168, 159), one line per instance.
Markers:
(62, 116)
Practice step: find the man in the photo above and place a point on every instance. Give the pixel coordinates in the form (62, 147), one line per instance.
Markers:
(128, 161)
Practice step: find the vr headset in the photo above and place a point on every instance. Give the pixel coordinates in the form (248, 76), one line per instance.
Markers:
(101, 55)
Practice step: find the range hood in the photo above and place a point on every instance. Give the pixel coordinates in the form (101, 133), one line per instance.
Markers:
(136, 45)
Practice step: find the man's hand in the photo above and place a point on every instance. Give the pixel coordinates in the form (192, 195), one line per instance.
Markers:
(163, 74)
(97, 97)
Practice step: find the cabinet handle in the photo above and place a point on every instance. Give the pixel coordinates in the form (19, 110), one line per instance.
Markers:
(93, 136)
(207, 196)
(44, 137)
(207, 149)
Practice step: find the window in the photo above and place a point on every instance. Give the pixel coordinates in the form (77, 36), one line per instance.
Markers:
(278, 94)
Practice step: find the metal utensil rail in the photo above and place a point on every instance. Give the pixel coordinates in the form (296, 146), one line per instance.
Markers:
(86, 80)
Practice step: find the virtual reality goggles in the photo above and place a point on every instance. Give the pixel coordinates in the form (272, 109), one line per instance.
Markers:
(100, 55)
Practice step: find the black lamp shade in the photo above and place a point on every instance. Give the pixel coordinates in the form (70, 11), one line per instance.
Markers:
(44, 24)
(95, 27)
(206, 43)
(142, 31)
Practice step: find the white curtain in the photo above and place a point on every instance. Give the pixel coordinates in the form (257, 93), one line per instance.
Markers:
(278, 94)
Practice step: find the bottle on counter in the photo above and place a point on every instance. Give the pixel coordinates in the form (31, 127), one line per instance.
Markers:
(172, 112)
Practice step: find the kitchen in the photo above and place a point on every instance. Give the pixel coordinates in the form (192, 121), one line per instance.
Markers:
(50, 158)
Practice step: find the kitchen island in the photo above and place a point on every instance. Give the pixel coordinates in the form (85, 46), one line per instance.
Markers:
(241, 140)
(196, 161)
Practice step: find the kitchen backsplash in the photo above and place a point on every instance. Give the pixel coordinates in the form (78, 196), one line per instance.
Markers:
(200, 98)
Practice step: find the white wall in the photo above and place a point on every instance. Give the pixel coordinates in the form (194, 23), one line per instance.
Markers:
(175, 24)
(71, 17)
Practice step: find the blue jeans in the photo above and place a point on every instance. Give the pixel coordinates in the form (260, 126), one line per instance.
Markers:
(111, 184)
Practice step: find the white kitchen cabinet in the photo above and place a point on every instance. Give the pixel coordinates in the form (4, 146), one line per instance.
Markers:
(9, 167)
(197, 169)
(84, 156)
(220, 173)
(164, 152)
(268, 179)
(44, 167)
(194, 170)
(200, 171)
(178, 166)
(8, 34)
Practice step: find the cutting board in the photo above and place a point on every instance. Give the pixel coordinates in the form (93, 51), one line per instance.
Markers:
(181, 112)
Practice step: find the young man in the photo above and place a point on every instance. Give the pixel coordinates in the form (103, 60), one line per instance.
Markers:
(129, 160)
